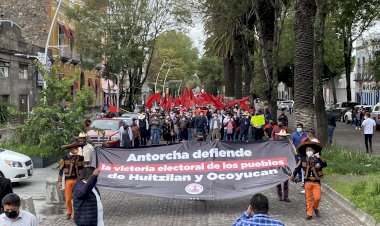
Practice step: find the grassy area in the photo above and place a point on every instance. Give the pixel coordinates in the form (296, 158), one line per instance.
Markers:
(355, 176)
(33, 150)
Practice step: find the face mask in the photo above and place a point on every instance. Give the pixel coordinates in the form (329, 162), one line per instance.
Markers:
(11, 215)
(299, 130)
(309, 153)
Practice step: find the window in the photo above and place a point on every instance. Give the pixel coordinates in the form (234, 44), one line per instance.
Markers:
(4, 69)
(4, 98)
(23, 71)
(61, 37)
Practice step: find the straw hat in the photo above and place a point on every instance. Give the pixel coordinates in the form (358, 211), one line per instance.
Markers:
(82, 135)
(245, 113)
(283, 133)
(141, 116)
(74, 144)
(301, 149)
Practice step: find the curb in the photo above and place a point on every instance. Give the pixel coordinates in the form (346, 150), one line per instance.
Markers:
(349, 206)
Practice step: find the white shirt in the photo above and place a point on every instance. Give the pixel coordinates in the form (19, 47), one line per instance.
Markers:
(86, 152)
(368, 125)
(121, 130)
(24, 219)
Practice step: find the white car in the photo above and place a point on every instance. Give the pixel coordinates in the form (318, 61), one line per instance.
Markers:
(285, 104)
(15, 166)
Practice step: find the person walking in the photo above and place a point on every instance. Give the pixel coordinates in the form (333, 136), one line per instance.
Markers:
(257, 213)
(201, 123)
(215, 126)
(13, 215)
(296, 140)
(154, 124)
(190, 128)
(88, 207)
(70, 167)
(331, 124)
(312, 164)
(127, 137)
(87, 150)
(283, 118)
(369, 126)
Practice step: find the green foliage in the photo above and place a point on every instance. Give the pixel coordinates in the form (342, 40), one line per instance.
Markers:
(51, 125)
(5, 113)
(374, 66)
(333, 50)
(30, 150)
(176, 50)
(347, 162)
(210, 72)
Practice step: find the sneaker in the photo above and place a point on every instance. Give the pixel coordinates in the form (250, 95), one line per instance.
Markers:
(316, 211)
(308, 218)
(286, 200)
(303, 191)
(280, 199)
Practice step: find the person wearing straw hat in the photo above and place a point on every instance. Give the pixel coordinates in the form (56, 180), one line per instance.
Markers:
(244, 126)
(87, 150)
(312, 163)
(70, 167)
(280, 131)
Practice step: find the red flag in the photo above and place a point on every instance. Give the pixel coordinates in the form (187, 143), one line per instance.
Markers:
(153, 98)
(191, 94)
(163, 102)
(169, 103)
(185, 98)
(177, 101)
(113, 108)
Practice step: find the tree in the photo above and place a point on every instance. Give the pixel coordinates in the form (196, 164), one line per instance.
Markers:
(303, 62)
(174, 49)
(319, 29)
(351, 18)
(210, 72)
(122, 34)
(50, 124)
(5, 114)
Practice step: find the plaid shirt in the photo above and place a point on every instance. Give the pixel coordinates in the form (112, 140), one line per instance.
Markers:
(257, 220)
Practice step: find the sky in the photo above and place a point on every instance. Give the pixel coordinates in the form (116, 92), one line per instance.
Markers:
(197, 35)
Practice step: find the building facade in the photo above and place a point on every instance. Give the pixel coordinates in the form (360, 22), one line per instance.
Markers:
(19, 83)
(35, 18)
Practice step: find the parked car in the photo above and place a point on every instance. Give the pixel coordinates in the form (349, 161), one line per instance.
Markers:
(285, 104)
(375, 114)
(127, 120)
(348, 115)
(105, 130)
(15, 166)
(341, 108)
(130, 115)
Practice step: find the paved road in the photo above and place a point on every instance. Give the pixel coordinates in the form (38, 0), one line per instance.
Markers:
(123, 209)
(127, 209)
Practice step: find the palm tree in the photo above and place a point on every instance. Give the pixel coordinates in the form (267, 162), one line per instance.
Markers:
(303, 62)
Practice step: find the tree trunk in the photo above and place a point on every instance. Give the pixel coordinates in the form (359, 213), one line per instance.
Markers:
(319, 28)
(238, 60)
(229, 76)
(347, 45)
(303, 63)
(334, 89)
(248, 72)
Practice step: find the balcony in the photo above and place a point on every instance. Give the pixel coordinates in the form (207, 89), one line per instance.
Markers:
(65, 52)
(76, 56)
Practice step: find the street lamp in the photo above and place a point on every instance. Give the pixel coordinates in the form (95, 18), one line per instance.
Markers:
(155, 85)
(163, 86)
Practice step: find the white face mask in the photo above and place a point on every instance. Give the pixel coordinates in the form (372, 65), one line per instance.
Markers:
(309, 153)
(299, 129)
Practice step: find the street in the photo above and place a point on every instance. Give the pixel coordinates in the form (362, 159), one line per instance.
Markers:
(127, 209)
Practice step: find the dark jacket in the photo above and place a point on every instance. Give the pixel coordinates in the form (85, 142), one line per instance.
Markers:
(70, 166)
(312, 167)
(84, 202)
(5, 189)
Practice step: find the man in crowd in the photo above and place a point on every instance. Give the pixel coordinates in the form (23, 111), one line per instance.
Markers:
(88, 207)
(257, 213)
(215, 126)
(296, 140)
(201, 123)
(331, 124)
(369, 126)
(312, 164)
(283, 118)
(244, 126)
(277, 130)
(155, 126)
(70, 167)
(13, 215)
(190, 129)
(143, 127)
(87, 150)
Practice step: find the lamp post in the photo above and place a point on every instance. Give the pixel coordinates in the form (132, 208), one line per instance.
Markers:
(118, 92)
(155, 84)
(163, 86)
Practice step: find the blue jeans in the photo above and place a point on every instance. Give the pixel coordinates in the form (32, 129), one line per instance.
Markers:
(330, 134)
(190, 134)
(243, 135)
(155, 136)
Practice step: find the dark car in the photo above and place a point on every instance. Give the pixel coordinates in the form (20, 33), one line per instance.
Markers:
(341, 108)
